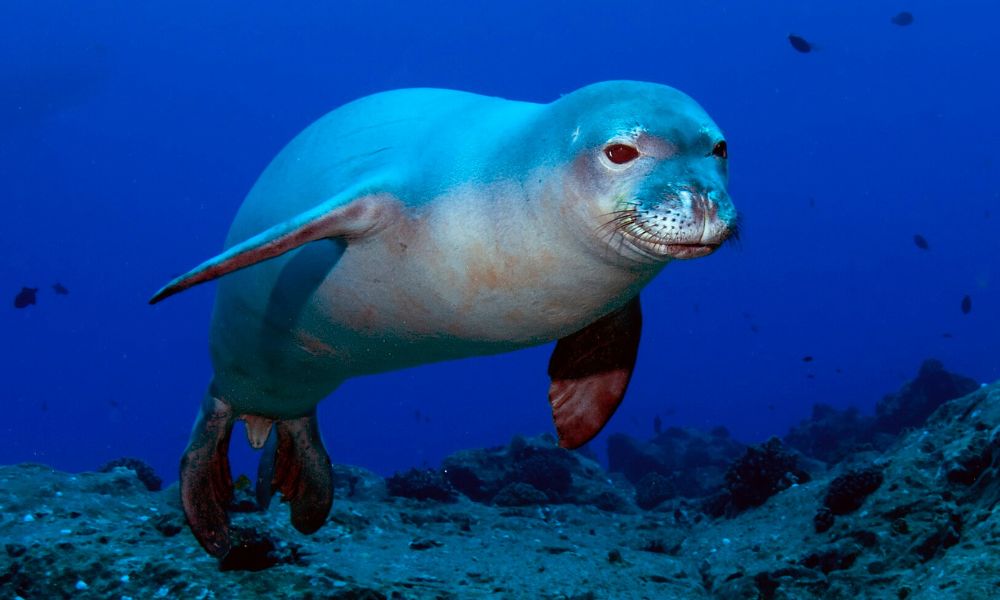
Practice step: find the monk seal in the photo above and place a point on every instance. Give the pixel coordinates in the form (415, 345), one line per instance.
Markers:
(423, 225)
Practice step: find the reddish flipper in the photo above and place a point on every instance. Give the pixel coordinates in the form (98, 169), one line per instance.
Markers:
(590, 371)
(300, 469)
(295, 463)
(206, 481)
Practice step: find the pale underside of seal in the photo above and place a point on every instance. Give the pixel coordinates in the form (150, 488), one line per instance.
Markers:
(423, 225)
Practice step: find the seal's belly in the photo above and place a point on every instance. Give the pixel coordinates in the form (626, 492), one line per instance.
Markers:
(389, 304)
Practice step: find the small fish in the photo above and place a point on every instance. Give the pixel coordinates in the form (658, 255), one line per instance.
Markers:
(839, 370)
(657, 425)
(800, 43)
(811, 376)
(947, 335)
(966, 305)
(921, 242)
(754, 328)
(60, 289)
(807, 358)
(25, 297)
(903, 19)
(812, 202)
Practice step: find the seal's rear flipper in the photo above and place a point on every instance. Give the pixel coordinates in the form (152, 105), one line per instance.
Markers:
(590, 370)
(295, 463)
(346, 216)
(206, 482)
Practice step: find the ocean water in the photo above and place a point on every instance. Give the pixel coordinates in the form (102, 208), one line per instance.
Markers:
(130, 133)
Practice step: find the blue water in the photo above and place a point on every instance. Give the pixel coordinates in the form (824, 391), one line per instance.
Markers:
(130, 133)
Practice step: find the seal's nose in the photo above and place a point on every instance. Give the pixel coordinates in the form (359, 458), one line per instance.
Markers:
(718, 217)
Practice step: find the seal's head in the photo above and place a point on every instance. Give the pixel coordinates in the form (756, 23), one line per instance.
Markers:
(649, 171)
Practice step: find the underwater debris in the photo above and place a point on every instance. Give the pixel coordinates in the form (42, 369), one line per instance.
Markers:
(421, 484)
(142, 470)
(800, 43)
(60, 289)
(847, 492)
(902, 18)
(26, 297)
(921, 242)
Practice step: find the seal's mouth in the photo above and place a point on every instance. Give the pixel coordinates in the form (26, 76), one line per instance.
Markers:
(686, 225)
(649, 242)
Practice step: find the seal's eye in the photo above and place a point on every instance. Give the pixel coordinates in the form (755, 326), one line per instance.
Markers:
(720, 150)
(621, 153)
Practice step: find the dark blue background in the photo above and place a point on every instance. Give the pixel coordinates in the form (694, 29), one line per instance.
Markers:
(130, 132)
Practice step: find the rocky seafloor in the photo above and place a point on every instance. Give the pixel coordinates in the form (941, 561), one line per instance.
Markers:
(902, 504)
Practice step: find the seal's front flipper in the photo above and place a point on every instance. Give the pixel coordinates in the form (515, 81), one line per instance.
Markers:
(590, 370)
(348, 216)
(295, 463)
(206, 482)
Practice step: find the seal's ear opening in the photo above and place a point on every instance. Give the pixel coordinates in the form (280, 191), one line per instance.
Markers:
(334, 218)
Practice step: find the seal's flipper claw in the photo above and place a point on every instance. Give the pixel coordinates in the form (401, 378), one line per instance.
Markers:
(347, 216)
(206, 482)
(302, 472)
(590, 371)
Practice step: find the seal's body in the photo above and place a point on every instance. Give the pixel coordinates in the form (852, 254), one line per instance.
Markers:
(422, 225)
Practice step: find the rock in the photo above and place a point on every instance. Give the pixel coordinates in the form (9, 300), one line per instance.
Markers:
(653, 489)
(421, 484)
(169, 524)
(520, 494)
(831, 435)
(928, 531)
(561, 476)
(916, 400)
(966, 467)
(252, 552)
(823, 520)
(847, 492)
(945, 534)
(693, 461)
(832, 559)
(357, 483)
(760, 473)
(143, 471)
